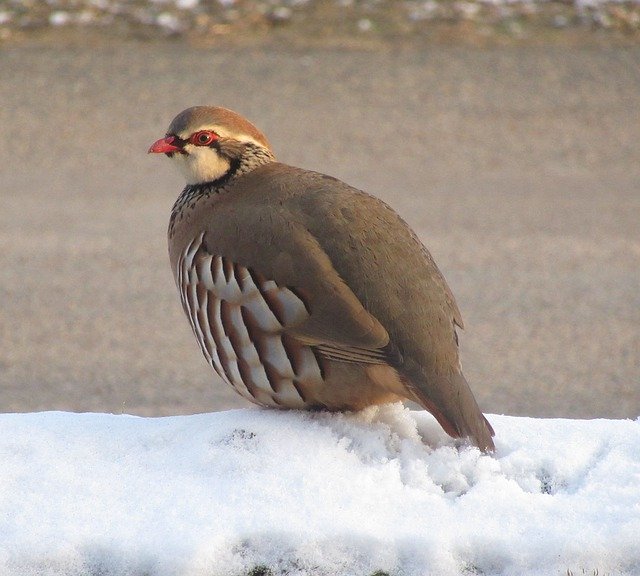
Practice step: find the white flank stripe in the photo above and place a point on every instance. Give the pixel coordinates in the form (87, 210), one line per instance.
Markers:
(265, 398)
(209, 336)
(275, 354)
(179, 275)
(204, 272)
(218, 329)
(289, 396)
(244, 278)
(231, 365)
(309, 371)
(237, 381)
(237, 323)
(259, 376)
(192, 298)
(217, 274)
(294, 311)
(184, 294)
(229, 290)
(191, 251)
(205, 333)
(262, 313)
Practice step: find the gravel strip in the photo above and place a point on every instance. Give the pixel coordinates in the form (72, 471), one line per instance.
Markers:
(342, 21)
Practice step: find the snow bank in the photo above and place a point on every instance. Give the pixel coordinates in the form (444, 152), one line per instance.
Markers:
(300, 493)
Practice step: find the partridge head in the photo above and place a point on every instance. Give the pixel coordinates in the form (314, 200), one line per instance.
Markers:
(304, 292)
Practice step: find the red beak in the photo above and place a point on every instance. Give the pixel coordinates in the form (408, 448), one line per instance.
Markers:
(164, 146)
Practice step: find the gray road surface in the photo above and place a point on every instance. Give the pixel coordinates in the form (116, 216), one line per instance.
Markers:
(518, 167)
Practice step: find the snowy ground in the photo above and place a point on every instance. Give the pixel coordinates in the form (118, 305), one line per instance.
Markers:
(300, 493)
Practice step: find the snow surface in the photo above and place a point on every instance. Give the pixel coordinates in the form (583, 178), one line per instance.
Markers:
(314, 493)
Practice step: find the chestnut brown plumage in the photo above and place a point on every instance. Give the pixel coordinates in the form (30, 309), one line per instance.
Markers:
(304, 292)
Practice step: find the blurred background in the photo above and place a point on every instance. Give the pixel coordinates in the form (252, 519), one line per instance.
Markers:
(505, 133)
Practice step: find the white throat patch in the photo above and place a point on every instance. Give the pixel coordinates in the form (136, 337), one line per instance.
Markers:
(201, 164)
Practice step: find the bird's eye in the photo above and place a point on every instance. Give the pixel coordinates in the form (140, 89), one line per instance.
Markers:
(203, 138)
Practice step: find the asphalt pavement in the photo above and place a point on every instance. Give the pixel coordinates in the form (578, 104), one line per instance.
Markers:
(518, 167)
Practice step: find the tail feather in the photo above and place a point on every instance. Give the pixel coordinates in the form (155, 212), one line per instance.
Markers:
(450, 400)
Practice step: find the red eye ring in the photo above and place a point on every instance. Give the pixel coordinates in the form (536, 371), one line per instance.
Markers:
(203, 138)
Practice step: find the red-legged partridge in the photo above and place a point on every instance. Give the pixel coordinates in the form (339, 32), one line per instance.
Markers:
(304, 292)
